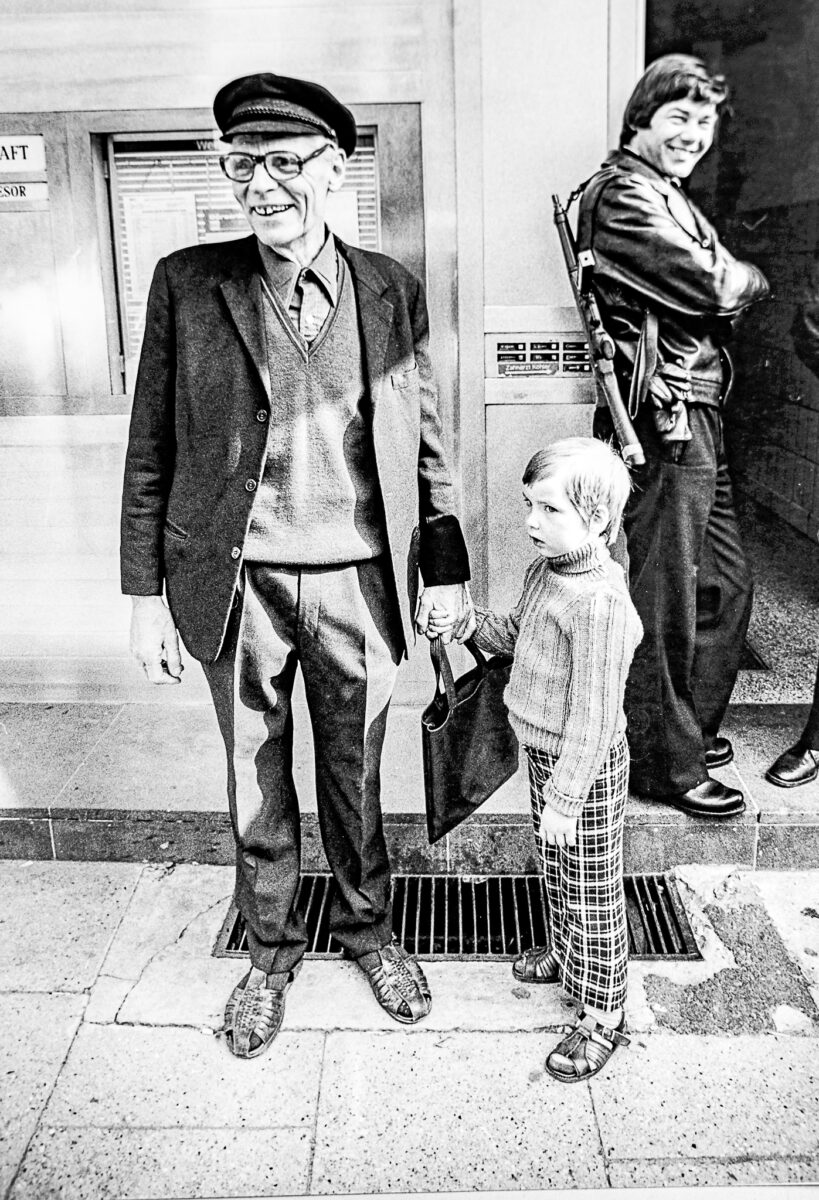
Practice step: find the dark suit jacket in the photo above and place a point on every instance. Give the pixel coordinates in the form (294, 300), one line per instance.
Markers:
(203, 398)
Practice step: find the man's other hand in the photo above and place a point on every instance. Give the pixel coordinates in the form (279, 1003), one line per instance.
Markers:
(451, 599)
(154, 640)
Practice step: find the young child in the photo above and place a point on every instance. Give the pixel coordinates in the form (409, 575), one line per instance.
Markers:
(573, 634)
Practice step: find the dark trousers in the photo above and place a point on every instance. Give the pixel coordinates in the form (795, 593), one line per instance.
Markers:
(810, 738)
(691, 585)
(341, 626)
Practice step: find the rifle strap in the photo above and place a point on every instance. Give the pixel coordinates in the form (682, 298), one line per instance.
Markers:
(645, 362)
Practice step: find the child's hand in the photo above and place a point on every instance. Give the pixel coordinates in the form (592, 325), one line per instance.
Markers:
(557, 829)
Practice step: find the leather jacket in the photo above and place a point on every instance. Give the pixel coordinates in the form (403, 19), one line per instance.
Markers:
(653, 249)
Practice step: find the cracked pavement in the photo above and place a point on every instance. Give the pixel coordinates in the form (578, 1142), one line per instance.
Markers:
(117, 1087)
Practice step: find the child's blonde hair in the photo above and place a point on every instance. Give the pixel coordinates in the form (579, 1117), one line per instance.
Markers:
(594, 475)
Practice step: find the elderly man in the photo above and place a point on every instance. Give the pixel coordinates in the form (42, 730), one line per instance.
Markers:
(668, 293)
(285, 481)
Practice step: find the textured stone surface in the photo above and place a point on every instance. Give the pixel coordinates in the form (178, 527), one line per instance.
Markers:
(477, 1113)
(166, 1078)
(42, 745)
(792, 900)
(37, 1032)
(712, 1172)
(153, 1164)
(56, 920)
(692, 1097)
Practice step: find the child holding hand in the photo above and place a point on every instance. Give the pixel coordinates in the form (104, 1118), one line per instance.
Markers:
(573, 634)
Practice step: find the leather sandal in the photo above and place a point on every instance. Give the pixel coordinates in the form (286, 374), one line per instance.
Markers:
(585, 1051)
(255, 1010)
(537, 965)
(398, 983)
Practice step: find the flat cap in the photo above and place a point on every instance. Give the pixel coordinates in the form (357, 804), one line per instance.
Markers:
(270, 103)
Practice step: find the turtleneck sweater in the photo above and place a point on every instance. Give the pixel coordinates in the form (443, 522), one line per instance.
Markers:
(573, 634)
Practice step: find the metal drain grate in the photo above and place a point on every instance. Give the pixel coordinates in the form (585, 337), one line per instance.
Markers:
(482, 918)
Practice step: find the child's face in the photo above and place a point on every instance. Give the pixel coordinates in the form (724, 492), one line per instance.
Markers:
(552, 521)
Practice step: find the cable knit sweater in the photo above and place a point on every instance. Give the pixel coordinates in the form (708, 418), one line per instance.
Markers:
(573, 634)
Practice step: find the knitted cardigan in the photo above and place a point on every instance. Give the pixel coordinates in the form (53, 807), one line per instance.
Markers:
(573, 634)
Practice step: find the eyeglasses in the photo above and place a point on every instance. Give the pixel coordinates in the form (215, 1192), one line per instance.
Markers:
(279, 164)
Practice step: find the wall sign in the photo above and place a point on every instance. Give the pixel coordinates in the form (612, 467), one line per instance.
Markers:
(14, 193)
(22, 153)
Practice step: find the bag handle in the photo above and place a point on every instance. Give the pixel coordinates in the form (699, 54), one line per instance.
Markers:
(443, 667)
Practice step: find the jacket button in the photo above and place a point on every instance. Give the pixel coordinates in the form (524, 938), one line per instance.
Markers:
(250, 486)
(261, 415)
(235, 552)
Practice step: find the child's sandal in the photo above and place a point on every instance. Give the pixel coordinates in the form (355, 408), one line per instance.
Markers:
(537, 965)
(585, 1050)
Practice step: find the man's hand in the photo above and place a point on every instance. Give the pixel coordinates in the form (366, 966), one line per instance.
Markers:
(154, 640)
(557, 829)
(453, 608)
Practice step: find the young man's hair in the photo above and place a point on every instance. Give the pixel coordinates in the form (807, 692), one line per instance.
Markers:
(672, 77)
(593, 474)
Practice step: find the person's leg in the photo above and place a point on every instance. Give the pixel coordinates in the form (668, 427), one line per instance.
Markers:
(541, 964)
(251, 684)
(349, 650)
(724, 597)
(595, 969)
(665, 525)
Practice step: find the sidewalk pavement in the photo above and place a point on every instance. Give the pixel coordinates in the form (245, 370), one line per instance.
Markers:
(115, 1085)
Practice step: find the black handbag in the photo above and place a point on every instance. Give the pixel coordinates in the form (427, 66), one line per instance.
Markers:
(469, 747)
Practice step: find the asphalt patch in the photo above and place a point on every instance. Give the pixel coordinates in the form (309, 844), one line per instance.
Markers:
(739, 999)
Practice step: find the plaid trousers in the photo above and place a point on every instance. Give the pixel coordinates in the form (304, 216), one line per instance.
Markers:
(584, 883)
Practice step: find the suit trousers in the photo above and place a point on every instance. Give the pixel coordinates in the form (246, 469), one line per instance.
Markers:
(341, 625)
(691, 585)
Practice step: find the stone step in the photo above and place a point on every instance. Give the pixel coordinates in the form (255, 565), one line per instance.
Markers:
(134, 782)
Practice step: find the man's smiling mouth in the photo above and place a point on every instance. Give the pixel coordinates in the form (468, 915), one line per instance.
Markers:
(270, 210)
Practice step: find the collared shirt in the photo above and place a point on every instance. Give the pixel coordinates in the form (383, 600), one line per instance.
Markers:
(309, 293)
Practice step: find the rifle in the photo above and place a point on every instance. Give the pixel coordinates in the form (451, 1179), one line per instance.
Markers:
(600, 343)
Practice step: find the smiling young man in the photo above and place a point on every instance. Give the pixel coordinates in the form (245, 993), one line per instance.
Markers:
(669, 292)
(284, 483)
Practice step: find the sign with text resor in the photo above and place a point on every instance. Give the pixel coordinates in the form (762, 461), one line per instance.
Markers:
(22, 153)
(13, 193)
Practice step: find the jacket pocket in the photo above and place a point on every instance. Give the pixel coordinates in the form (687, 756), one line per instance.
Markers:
(403, 379)
(175, 531)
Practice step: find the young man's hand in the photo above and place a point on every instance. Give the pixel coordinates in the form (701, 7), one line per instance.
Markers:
(557, 829)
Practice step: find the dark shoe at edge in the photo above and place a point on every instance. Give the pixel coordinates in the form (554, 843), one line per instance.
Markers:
(794, 767)
(720, 754)
(708, 799)
(398, 983)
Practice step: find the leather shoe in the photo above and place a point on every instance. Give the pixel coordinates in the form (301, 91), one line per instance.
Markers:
(708, 799)
(795, 766)
(720, 754)
(398, 983)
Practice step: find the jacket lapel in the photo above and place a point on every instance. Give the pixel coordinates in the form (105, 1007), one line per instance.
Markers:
(375, 312)
(243, 296)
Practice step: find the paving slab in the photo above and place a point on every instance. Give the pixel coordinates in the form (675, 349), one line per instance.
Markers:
(712, 1172)
(792, 901)
(123, 1076)
(57, 920)
(691, 1097)
(449, 1112)
(37, 1032)
(42, 745)
(156, 756)
(153, 1164)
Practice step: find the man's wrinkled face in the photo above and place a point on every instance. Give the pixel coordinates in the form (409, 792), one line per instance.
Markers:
(680, 133)
(286, 213)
